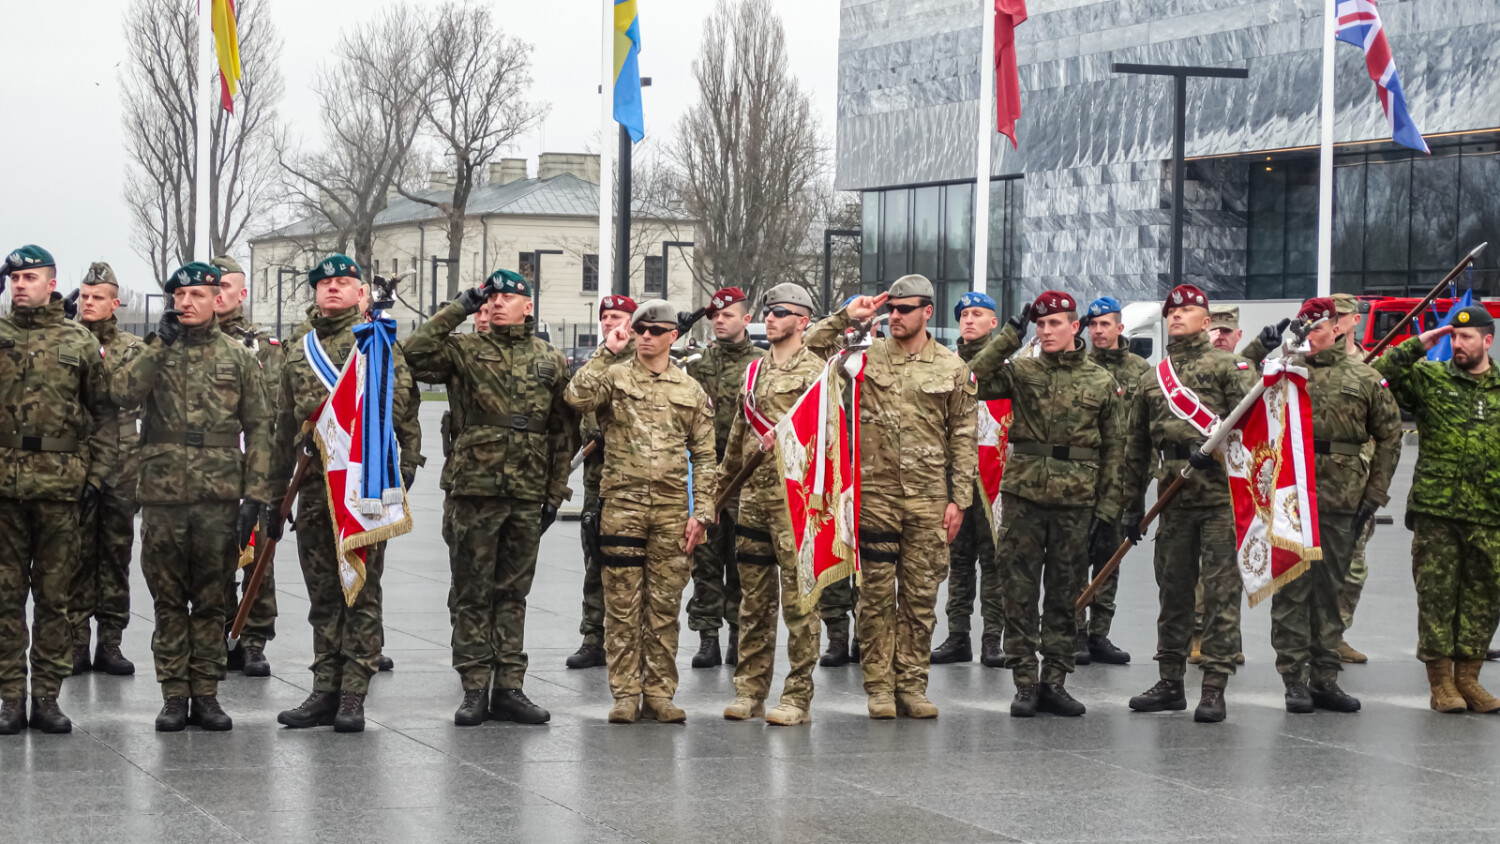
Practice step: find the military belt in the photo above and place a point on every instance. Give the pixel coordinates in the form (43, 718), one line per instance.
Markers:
(1056, 452)
(25, 443)
(517, 422)
(1334, 447)
(195, 439)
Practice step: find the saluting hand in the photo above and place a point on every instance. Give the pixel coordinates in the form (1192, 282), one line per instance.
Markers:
(694, 534)
(865, 307)
(953, 519)
(617, 339)
(1431, 338)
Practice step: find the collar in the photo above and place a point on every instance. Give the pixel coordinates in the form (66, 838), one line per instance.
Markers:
(1327, 357)
(791, 362)
(511, 335)
(736, 348)
(1188, 347)
(104, 330)
(642, 372)
(893, 350)
(235, 321)
(199, 335)
(40, 317)
(336, 321)
(1490, 376)
(1070, 358)
(967, 349)
(1115, 355)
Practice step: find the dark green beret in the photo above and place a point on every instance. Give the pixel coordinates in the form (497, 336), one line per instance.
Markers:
(196, 274)
(510, 281)
(334, 266)
(1474, 316)
(28, 257)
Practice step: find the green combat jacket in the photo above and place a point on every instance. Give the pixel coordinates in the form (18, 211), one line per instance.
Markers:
(506, 385)
(200, 394)
(721, 373)
(56, 419)
(1064, 404)
(1350, 407)
(119, 348)
(1458, 434)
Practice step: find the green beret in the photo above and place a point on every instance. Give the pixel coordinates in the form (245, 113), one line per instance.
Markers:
(100, 273)
(655, 310)
(912, 286)
(28, 257)
(227, 265)
(196, 274)
(510, 281)
(1474, 316)
(334, 266)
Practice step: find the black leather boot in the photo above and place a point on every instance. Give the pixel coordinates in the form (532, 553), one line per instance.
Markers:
(317, 711)
(1329, 696)
(12, 716)
(1165, 695)
(235, 659)
(955, 648)
(992, 651)
(1105, 651)
(1081, 655)
(837, 653)
(256, 664)
(474, 710)
(81, 664)
(110, 660)
(386, 663)
(1211, 706)
(48, 717)
(351, 714)
(514, 705)
(708, 650)
(173, 715)
(205, 711)
(1054, 698)
(1298, 700)
(1023, 705)
(732, 654)
(587, 656)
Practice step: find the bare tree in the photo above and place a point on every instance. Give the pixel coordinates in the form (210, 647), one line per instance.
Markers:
(748, 151)
(161, 89)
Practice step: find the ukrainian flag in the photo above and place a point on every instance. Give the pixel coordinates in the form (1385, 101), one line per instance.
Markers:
(628, 70)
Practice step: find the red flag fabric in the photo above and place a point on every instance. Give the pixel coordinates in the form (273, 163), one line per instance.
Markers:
(994, 439)
(1009, 14)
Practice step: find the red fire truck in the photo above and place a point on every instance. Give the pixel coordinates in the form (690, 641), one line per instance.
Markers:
(1386, 311)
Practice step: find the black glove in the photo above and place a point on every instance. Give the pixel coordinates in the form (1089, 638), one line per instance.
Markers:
(1200, 459)
(1021, 321)
(408, 477)
(169, 328)
(1270, 336)
(88, 503)
(1132, 524)
(1099, 531)
(70, 304)
(473, 299)
(275, 525)
(1362, 516)
(249, 517)
(549, 515)
(589, 523)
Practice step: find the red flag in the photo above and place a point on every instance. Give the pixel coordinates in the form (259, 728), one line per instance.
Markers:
(1009, 14)
(994, 439)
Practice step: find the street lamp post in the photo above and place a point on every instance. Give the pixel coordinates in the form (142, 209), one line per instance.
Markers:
(281, 272)
(149, 296)
(828, 236)
(435, 261)
(622, 224)
(536, 280)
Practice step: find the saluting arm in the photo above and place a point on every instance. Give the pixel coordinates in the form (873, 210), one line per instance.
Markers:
(993, 371)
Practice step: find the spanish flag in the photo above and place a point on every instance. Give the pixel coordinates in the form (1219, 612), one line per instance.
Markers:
(227, 45)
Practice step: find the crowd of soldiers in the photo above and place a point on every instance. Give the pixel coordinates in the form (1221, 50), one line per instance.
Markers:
(200, 428)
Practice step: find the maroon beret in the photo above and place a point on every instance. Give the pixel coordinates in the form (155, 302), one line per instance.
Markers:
(1316, 310)
(1184, 294)
(723, 298)
(1052, 302)
(617, 303)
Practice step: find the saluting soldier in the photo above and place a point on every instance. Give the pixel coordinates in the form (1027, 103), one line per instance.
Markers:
(1348, 318)
(101, 583)
(656, 423)
(716, 580)
(1351, 407)
(57, 451)
(504, 483)
(918, 457)
(202, 496)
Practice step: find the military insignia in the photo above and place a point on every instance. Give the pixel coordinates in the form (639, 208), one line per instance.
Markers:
(1067, 305)
(328, 268)
(1383, 383)
(13, 258)
(1463, 317)
(1177, 297)
(1242, 365)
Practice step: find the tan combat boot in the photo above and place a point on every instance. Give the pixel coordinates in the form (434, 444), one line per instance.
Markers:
(1348, 654)
(882, 706)
(626, 710)
(915, 705)
(1466, 680)
(1445, 697)
(744, 708)
(662, 710)
(788, 714)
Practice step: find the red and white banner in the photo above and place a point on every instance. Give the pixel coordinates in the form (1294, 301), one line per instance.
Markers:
(994, 440)
(1269, 458)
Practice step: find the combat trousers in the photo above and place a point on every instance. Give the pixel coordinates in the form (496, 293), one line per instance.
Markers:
(974, 543)
(346, 639)
(904, 554)
(183, 547)
(1099, 615)
(1040, 550)
(38, 552)
(1306, 627)
(1456, 566)
(1195, 542)
(835, 606)
(1354, 582)
(260, 625)
(766, 555)
(101, 581)
(492, 545)
(716, 579)
(643, 552)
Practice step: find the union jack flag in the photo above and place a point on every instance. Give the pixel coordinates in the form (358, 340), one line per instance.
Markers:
(1359, 24)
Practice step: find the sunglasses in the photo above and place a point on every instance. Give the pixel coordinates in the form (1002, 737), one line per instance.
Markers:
(653, 330)
(905, 309)
(779, 312)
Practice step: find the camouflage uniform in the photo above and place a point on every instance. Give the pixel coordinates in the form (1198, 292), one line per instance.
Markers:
(200, 394)
(1350, 407)
(765, 549)
(592, 625)
(975, 544)
(1196, 533)
(510, 458)
(654, 426)
(1064, 470)
(918, 454)
(101, 582)
(54, 391)
(1454, 505)
(347, 640)
(1354, 582)
(260, 625)
(716, 579)
(835, 606)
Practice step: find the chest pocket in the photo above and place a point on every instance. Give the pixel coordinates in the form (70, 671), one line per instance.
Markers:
(544, 371)
(69, 359)
(224, 372)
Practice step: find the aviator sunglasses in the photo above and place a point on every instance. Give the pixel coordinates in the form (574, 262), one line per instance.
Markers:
(779, 312)
(906, 309)
(653, 330)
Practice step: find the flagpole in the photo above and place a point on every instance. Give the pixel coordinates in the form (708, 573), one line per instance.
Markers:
(1325, 156)
(982, 146)
(606, 273)
(203, 116)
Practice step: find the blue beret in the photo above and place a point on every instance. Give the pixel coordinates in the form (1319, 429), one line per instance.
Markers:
(1104, 305)
(972, 299)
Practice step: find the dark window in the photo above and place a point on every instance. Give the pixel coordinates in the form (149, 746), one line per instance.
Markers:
(869, 240)
(958, 231)
(591, 273)
(926, 222)
(525, 267)
(895, 235)
(656, 276)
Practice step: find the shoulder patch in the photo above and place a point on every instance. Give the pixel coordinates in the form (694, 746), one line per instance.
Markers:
(1244, 364)
(1384, 383)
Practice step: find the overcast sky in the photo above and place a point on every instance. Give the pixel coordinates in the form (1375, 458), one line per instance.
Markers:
(62, 157)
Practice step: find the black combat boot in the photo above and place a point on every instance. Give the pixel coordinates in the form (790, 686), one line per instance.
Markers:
(474, 710)
(1298, 700)
(351, 714)
(1081, 655)
(732, 654)
(514, 705)
(317, 711)
(1211, 707)
(1165, 695)
(1052, 697)
(48, 717)
(854, 648)
(708, 650)
(386, 663)
(1105, 651)
(587, 656)
(1329, 696)
(81, 664)
(955, 648)
(110, 660)
(837, 653)
(992, 651)
(173, 715)
(205, 712)
(235, 659)
(12, 716)
(256, 664)
(1023, 705)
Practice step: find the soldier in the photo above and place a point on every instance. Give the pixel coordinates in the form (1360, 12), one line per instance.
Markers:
(765, 549)
(1454, 506)
(57, 451)
(614, 312)
(657, 428)
(1197, 528)
(1348, 318)
(835, 608)
(1224, 328)
(1061, 489)
(347, 640)
(917, 463)
(260, 626)
(101, 582)
(716, 579)
(975, 314)
(1111, 350)
(1350, 407)
(201, 496)
(508, 476)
